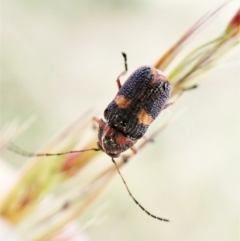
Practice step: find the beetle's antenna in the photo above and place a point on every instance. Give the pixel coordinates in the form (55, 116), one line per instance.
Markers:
(134, 199)
(125, 61)
(12, 147)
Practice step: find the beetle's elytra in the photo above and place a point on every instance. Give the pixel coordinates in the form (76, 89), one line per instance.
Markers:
(137, 103)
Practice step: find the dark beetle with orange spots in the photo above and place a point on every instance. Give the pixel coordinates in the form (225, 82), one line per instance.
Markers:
(137, 104)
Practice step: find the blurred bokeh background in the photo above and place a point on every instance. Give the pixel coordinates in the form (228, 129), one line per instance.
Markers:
(61, 58)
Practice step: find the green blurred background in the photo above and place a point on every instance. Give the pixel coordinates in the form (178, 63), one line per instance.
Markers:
(61, 58)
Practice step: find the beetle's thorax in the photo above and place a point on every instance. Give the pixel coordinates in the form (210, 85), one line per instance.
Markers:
(111, 141)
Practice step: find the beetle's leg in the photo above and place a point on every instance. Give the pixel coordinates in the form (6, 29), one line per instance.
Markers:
(135, 149)
(167, 105)
(118, 81)
(96, 122)
(171, 103)
(126, 157)
(124, 72)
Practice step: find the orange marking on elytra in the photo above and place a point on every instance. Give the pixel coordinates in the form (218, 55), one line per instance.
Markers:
(122, 102)
(144, 118)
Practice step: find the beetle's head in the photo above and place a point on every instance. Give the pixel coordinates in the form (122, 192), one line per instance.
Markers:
(111, 141)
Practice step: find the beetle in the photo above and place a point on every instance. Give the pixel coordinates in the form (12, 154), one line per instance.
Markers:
(136, 105)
